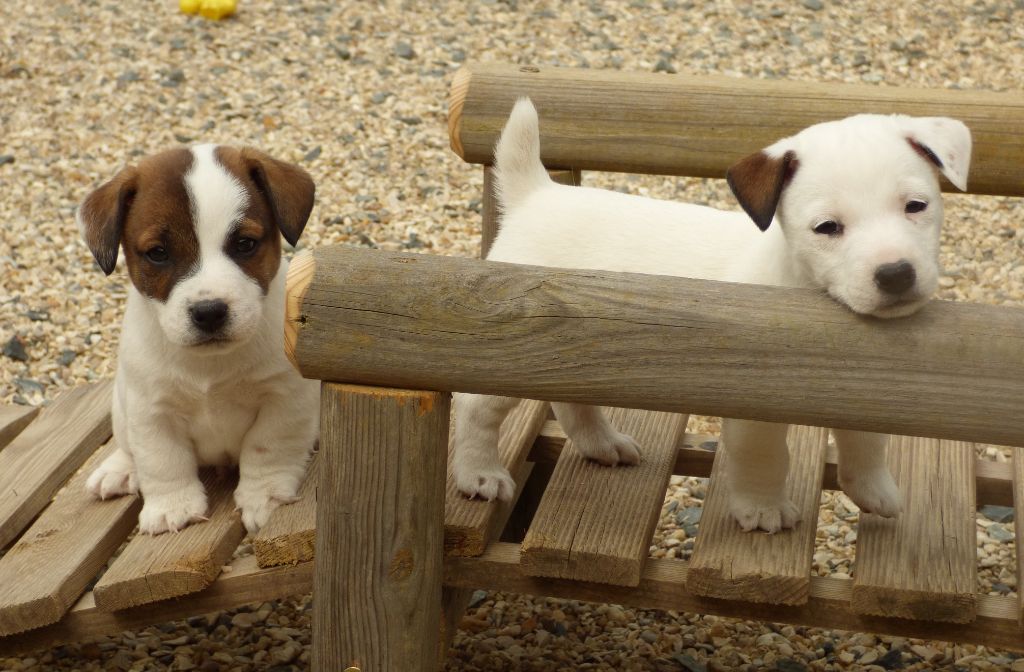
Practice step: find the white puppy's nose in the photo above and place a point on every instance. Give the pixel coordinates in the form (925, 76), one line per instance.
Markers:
(895, 278)
(208, 316)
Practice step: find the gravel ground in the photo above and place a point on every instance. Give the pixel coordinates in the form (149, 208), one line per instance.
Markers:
(355, 91)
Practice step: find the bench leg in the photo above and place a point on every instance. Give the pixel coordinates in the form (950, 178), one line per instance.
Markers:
(380, 529)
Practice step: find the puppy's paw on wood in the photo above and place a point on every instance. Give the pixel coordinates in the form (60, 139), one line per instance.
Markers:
(873, 491)
(484, 482)
(610, 449)
(767, 513)
(114, 477)
(172, 512)
(256, 503)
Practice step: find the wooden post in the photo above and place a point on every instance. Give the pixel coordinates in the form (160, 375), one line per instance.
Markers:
(380, 529)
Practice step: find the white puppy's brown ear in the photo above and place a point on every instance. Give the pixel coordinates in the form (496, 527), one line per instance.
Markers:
(757, 182)
(288, 189)
(101, 217)
(945, 143)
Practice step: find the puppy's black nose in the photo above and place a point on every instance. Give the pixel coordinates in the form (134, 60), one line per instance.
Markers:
(895, 278)
(209, 316)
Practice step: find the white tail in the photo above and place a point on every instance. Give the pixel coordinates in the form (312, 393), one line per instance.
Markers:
(517, 157)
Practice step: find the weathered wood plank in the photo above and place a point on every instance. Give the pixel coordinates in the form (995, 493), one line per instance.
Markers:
(922, 564)
(290, 534)
(152, 568)
(1018, 524)
(241, 582)
(663, 586)
(38, 461)
(661, 343)
(775, 568)
(50, 566)
(595, 523)
(468, 523)
(382, 455)
(637, 122)
(13, 419)
(993, 478)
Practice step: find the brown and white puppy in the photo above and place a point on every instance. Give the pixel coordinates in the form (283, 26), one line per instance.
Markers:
(202, 378)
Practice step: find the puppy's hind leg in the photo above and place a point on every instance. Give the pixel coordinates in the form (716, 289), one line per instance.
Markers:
(863, 473)
(476, 465)
(594, 436)
(756, 474)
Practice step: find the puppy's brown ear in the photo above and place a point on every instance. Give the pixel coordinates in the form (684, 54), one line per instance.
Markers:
(288, 190)
(758, 180)
(101, 217)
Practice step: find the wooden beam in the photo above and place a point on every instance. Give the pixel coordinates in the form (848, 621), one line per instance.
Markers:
(289, 536)
(38, 461)
(696, 125)
(1018, 523)
(13, 419)
(380, 529)
(952, 370)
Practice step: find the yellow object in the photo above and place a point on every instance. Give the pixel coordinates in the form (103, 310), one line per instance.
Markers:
(189, 6)
(216, 9)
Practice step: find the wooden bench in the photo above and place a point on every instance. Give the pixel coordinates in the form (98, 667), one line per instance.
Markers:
(398, 555)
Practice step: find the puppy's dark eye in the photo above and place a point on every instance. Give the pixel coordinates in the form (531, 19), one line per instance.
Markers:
(829, 228)
(158, 254)
(245, 245)
(915, 206)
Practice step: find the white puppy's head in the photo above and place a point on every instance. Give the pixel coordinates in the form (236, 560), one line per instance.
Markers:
(859, 203)
(201, 232)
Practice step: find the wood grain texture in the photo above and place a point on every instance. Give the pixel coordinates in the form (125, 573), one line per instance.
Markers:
(663, 586)
(693, 125)
(152, 568)
(290, 534)
(38, 461)
(1018, 523)
(773, 568)
(922, 564)
(469, 523)
(240, 583)
(697, 455)
(380, 529)
(50, 566)
(661, 343)
(595, 523)
(13, 419)
(491, 212)
(300, 272)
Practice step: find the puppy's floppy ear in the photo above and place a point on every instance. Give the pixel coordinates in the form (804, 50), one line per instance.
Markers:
(101, 217)
(757, 182)
(288, 190)
(944, 142)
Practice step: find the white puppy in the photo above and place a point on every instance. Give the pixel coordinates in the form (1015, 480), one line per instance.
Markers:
(857, 211)
(202, 378)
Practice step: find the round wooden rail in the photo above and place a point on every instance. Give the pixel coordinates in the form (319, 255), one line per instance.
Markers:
(953, 370)
(699, 126)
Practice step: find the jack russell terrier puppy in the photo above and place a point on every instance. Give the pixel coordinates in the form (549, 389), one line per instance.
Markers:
(851, 207)
(202, 378)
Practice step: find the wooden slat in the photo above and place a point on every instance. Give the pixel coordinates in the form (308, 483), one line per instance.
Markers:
(431, 322)
(595, 523)
(922, 564)
(642, 122)
(663, 586)
(1018, 525)
(774, 568)
(38, 461)
(152, 568)
(993, 478)
(13, 419)
(43, 574)
(242, 582)
(290, 534)
(467, 522)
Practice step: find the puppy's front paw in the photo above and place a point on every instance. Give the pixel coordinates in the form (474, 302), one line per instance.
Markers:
(172, 512)
(257, 502)
(768, 513)
(114, 477)
(874, 491)
(486, 482)
(610, 449)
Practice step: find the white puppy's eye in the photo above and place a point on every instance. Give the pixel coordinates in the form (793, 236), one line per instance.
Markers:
(914, 206)
(829, 227)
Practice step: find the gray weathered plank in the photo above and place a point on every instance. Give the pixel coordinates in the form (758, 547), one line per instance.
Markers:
(49, 567)
(13, 419)
(290, 535)
(38, 461)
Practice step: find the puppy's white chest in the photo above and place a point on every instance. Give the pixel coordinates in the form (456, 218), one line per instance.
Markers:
(218, 427)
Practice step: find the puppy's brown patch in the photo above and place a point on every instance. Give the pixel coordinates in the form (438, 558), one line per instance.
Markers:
(758, 180)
